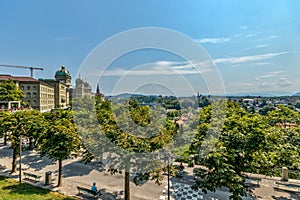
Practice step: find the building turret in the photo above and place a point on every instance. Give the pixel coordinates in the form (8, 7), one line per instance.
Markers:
(63, 76)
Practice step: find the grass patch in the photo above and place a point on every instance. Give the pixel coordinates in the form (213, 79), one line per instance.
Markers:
(11, 189)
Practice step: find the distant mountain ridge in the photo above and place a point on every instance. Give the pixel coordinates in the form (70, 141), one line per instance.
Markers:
(263, 94)
(296, 94)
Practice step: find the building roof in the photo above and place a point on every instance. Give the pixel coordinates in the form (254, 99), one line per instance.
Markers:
(62, 72)
(17, 78)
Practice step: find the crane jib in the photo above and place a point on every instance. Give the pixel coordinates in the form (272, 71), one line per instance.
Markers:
(24, 67)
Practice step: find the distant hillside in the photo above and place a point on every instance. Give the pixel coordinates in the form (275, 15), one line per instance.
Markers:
(296, 94)
(126, 95)
(262, 94)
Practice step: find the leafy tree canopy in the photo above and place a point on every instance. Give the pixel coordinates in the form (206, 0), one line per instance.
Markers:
(10, 92)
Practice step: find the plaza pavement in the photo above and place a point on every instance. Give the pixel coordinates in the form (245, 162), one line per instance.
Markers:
(75, 173)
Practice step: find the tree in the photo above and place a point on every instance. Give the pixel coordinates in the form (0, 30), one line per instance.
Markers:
(283, 116)
(125, 130)
(10, 92)
(242, 136)
(59, 138)
(266, 109)
(21, 124)
(5, 124)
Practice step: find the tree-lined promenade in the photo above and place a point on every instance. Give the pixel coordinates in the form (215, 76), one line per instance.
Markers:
(246, 142)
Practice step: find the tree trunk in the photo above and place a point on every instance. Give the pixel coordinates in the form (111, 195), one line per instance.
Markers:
(31, 143)
(127, 185)
(14, 161)
(59, 173)
(5, 139)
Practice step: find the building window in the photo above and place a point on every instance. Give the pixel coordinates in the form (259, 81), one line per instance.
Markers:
(34, 95)
(28, 87)
(28, 95)
(22, 87)
(34, 87)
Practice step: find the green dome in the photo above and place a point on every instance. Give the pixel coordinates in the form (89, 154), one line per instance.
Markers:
(62, 72)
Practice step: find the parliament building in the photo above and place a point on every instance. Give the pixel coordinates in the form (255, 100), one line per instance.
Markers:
(45, 94)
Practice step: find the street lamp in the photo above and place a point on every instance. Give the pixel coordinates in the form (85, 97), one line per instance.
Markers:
(167, 156)
(20, 160)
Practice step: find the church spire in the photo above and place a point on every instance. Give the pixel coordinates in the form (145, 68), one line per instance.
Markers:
(97, 90)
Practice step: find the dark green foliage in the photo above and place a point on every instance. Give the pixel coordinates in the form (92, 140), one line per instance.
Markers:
(266, 109)
(59, 138)
(247, 143)
(25, 124)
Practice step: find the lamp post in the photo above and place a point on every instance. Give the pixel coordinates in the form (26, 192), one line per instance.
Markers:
(168, 178)
(20, 160)
(167, 156)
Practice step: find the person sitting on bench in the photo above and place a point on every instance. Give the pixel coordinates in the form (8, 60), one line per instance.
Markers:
(94, 188)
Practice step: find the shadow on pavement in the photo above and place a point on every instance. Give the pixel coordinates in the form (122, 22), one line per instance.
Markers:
(35, 162)
(5, 152)
(292, 196)
(76, 168)
(106, 196)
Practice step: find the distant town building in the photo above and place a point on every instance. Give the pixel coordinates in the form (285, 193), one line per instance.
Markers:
(82, 89)
(99, 93)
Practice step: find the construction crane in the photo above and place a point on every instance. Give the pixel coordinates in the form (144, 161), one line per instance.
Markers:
(24, 67)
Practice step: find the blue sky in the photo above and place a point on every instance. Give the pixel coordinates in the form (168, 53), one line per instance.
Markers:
(254, 44)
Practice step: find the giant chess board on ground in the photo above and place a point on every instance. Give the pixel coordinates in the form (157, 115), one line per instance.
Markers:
(181, 191)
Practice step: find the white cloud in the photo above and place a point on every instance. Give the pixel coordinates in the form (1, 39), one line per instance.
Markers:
(265, 76)
(163, 68)
(251, 35)
(233, 87)
(244, 27)
(243, 59)
(270, 75)
(213, 40)
(283, 82)
(185, 68)
(277, 72)
(261, 63)
(259, 46)
(266, 85)
(272, 37)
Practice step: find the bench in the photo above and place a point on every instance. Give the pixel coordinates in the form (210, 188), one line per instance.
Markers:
(289, 187)
(88, 191)
(2, 166)
(29, 175)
